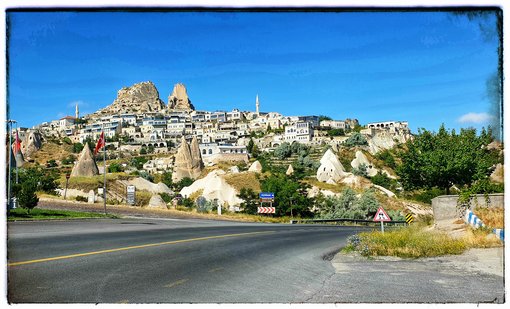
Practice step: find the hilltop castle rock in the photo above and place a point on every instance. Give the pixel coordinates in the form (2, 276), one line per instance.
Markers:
(179, 99)
(31, 143)
(139, 98)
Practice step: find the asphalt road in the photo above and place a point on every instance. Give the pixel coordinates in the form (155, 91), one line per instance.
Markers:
(168, 261)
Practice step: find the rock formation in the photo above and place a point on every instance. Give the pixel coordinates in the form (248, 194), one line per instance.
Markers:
(330, 169)
(179, 99)
(139, 98)
(31, 143)
(86, 165)
(143, 184)
(385, 139)
(214, 187)
(197, 164)
(255, 167)
(188, 161)
(157, 202)
(362, 159)
(290, 170)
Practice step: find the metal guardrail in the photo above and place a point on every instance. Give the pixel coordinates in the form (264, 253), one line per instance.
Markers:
(358, 221)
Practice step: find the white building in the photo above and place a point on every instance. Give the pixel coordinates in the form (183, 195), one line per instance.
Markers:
(301, 132)
(334, 124)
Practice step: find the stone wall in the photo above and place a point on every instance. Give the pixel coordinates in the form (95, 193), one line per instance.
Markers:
(445, 206)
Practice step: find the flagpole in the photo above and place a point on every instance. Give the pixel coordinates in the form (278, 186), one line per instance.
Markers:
(9, 126)
(104, 171)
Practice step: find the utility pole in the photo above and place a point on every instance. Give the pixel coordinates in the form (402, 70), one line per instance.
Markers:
(9, 127)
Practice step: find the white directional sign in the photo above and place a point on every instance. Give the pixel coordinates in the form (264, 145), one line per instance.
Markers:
(381, 215)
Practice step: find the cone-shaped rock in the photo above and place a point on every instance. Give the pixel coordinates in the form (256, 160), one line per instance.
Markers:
(196, 158)
(255, 167)
(183, 162)
(331, 169)
(290, 170)
(86, 165)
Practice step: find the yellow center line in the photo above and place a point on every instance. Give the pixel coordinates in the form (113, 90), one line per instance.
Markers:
(176, 283)
(63, 257)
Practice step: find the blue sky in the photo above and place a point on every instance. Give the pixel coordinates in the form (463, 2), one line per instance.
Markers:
(427, 68)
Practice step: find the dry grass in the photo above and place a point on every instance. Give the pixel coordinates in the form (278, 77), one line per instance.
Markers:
(52, 151)
(481, 238)
(243, 180)
(196, 194)
(493, 217)
(336, 188)
(416, 241)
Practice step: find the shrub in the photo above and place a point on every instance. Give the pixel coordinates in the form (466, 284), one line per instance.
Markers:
(356, 139)
(27, 199)
(361, 170)
(80, 198)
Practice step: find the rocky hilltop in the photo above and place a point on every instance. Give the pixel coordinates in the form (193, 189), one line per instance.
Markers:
(179, 99)
(139, 98)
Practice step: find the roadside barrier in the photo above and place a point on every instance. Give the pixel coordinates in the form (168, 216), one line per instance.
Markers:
(356, 221)
(474, 221)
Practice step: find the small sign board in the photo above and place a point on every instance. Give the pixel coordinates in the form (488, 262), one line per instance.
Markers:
(266, 195)
(130, 196)
(266, 210)
(68, 176)
(409, 218)
(381, 216)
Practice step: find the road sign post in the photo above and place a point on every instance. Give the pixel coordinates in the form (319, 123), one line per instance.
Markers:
(382, 217)
(67, 183)
(266, 197)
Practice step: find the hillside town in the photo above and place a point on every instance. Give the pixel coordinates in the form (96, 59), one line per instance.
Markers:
(138, 119)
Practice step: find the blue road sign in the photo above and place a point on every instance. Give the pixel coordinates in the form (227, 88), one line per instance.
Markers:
(266, 195)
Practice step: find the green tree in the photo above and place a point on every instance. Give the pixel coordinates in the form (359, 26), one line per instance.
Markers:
(185, 182)
(336, 132)
(77, 147)
(289, 194)
(283, 151)
(445, 158)
(251, 200)
(166, 178)
(27, 199)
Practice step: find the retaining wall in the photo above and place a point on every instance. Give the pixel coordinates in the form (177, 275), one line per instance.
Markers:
(445, 206)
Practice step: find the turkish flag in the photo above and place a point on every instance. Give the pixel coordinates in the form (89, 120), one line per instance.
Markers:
(100, 143)
(17, 144)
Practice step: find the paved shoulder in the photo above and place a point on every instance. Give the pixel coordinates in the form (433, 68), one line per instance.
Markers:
(474, 277)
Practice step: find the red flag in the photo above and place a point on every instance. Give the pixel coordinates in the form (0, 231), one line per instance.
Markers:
(100, 143)
(17, 144)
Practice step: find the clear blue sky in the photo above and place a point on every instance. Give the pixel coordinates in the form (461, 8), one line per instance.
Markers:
(424, 67)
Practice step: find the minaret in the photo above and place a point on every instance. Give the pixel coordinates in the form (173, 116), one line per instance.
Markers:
(77, 112)
(257, 105)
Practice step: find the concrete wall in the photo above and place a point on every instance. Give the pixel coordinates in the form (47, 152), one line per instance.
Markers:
(445, 206)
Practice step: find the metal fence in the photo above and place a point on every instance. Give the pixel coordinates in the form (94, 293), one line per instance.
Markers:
(355, 221)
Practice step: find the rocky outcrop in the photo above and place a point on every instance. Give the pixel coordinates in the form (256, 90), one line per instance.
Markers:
(31, 143)
(188, 161)
(143, 184)
(379, 140)
(139, 98)
(157, 202)
(179, 99)
(86, 165)
(213, 187)
(362, 159)
(330, 170)
(255, 167)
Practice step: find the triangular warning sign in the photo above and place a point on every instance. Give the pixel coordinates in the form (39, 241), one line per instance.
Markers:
(381, 215)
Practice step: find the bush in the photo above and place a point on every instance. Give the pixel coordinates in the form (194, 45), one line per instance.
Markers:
(77, 147)
(361, 170)
(356, 139)
(80, 198)
(166, 197)
(348, 206)
(27, 199)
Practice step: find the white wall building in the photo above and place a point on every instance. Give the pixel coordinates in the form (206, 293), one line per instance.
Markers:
(301, 132)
